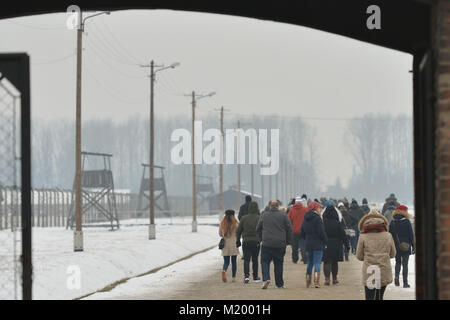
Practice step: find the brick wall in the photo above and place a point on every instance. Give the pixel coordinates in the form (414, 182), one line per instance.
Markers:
(441, 21)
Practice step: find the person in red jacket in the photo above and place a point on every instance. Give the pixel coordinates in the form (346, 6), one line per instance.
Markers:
(296, 215)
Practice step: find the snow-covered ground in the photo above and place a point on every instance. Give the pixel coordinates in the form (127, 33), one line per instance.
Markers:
(161, 283)
(400, 293)
(110, 256)
(180, 275)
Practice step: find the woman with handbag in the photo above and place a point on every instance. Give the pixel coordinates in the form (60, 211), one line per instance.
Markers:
(337, 238)
(227, 230)
(375, 248)
(403, 235)
(350, 224)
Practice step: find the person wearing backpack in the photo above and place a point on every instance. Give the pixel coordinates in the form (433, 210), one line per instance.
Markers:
(403, 235)
(389, 211)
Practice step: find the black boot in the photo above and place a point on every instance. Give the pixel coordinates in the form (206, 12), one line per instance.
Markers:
(397, 282)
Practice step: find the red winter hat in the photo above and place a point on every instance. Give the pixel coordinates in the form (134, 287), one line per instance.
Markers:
(402, 208)
(313, 205)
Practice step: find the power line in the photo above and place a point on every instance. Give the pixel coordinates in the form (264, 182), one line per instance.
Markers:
(101, 38)
(55, 60)
(94, 50)
(111, 91)
(119, 43)
(305, 118)
(34, 26)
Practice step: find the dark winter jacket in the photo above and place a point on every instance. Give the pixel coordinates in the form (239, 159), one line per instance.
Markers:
(248, 223)
(274, 229)
(243, 210)
(387, 203)
(336, 236)
(356, 212)
(401, 226)
(313, 232)
(348, 220)
(365, 208)
(296, 215)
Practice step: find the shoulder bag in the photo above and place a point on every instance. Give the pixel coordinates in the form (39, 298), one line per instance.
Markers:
(221, 243)
(349, 232)
(403, 246)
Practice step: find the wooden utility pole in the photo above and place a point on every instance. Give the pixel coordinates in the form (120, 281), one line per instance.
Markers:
(78, 236)
(152, 226)
(194, 187)
(252, 182)
(276, 186)
(239, 197)
(222, 110)
(194, 183)
(152, 229)
(270, 188)
(262, 189)
(221, 162)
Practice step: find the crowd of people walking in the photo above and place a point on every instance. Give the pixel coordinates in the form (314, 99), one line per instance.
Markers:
(320, 232)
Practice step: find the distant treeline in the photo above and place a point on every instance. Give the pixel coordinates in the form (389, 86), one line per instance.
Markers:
(382, 149)
(128, 141)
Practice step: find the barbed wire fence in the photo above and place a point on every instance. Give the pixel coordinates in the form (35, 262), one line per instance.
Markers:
(10, 240)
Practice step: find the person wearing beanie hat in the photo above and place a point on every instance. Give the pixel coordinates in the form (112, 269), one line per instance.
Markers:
(313, 233)
(389, 199)
(365, 206)
(356, 212)
(402, 232)
(296, 215)
(230, 212)
(388, 213)
(227, 230)
(243, 210)
(251, 240)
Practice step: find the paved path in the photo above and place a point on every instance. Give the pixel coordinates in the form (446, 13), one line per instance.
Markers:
(209, 286)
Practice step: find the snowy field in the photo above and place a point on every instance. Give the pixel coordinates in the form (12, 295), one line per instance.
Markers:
(110, 256)
(160, 284)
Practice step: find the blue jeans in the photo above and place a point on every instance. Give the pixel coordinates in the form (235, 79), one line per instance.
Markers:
(314, 260)
(226, 263)
(277, 255)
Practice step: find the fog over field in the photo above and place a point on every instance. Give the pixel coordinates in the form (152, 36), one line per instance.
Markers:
(343, 107)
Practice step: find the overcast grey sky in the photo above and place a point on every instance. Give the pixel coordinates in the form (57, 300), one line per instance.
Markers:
(255, 66)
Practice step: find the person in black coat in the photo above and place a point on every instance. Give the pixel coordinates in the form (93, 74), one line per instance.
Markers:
(348, 222)
(365, 206)
(337, 239)
(401, 230)
(243, 210)
(356, 212)
(313, 233)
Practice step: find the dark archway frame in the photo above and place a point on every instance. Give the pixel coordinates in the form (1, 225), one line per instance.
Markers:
(405, 26)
